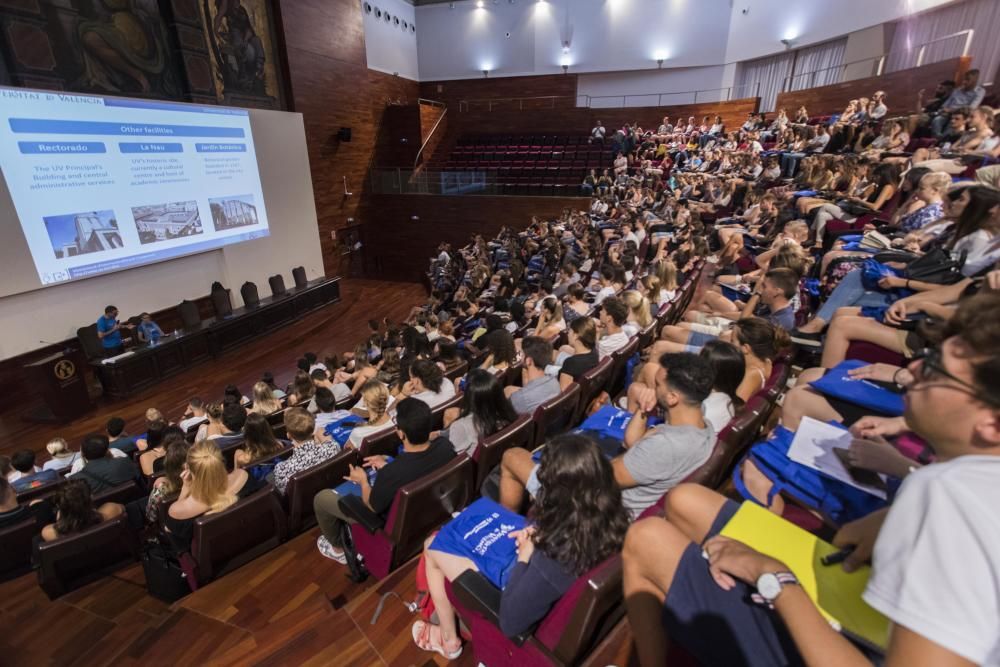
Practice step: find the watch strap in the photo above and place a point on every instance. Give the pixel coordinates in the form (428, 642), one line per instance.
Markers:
(785, 579)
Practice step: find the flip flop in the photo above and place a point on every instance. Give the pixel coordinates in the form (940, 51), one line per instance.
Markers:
(422, 638)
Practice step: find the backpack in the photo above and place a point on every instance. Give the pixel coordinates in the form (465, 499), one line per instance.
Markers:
(838, 501)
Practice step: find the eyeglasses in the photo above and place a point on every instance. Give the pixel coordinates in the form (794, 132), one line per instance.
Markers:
(932, 366)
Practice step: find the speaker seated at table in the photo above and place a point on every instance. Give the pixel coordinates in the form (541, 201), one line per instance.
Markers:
(221, 301)
(188, 312)
(277, 283)
(249, 294)
(299, 276)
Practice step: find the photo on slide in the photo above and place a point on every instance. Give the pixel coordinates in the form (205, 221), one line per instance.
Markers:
(235, 211)
(162, 222)
(83, 233)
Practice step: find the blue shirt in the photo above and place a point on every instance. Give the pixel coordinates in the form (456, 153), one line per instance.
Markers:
(104, 325)
(147, 329)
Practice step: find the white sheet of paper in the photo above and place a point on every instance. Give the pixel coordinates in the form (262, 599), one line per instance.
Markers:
(813, 447)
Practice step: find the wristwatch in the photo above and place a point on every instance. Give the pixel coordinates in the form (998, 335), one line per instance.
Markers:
(769, 587)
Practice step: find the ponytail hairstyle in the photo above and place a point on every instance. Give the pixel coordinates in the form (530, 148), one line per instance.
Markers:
(376, 398)
(638, 305)
(666, 271)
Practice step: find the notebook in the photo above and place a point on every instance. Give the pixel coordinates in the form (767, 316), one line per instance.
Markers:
(835, 592)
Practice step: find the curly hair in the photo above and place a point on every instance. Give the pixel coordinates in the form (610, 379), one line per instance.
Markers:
(579, 516)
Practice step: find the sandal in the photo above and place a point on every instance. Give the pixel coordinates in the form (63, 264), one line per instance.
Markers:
(422, 638)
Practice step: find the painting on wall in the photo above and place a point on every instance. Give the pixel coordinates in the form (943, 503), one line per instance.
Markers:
(208, 51)
(241, 43)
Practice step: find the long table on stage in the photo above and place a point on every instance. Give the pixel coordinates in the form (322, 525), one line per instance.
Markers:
(145, 366)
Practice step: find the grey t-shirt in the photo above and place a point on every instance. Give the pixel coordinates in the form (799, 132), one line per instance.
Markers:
(533, 394)
(661, 460)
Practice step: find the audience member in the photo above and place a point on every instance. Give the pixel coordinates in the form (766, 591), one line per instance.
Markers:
(75, 511)
(301, 429)
(102, 470)
(536, 387)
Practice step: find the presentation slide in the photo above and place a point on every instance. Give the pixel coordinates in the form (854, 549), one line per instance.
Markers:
(102, 184)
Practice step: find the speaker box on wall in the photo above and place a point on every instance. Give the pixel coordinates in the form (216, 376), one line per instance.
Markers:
(344, 134)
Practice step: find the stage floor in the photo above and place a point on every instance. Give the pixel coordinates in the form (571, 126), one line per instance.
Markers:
(332, 329)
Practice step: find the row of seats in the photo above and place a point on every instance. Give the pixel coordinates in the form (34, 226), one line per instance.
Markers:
(526, 141)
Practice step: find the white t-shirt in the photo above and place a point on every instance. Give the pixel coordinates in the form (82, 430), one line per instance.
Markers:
(185, 424)
(611, 343)
(433, 399)
(718, 410)
(61, 463)
(936, 565)
(359, 433)
(603, 294)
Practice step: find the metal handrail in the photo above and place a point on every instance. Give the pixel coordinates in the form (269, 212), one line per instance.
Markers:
(430, 134)
(786, 84)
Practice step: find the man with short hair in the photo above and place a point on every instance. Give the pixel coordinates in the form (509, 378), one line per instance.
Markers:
(103, 470)
(321, 380)
(234, 416)
(193, 416)
(308, 453)
(614, 314)
(420, 457)
(109, 332)
(536, 387)
(27, 474)
(935, 552)
(967, 96)
(326, 407)
(656, 459)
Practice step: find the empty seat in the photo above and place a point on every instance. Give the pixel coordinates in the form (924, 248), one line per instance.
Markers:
(73, 561)
(592, 383)
(15, 548)
(418, 509)
(299, 276)
(489, 452)
(305, 484)
(189, 315)
(277, 283)
(122, 494)
(249, 294)
(226, 540)
(222, 302)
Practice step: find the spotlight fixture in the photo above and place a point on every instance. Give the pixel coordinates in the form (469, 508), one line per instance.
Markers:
(480, 4)
(486, 74)
(565, 69)
(659, 63)
(787, 42)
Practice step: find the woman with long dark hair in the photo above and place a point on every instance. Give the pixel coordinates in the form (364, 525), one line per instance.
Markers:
(258, 441)
(730, 366)
(484, 411)
(576, 523)
(75, 511)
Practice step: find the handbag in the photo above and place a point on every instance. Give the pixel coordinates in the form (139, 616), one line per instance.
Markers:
(936, 266)
(165, 579)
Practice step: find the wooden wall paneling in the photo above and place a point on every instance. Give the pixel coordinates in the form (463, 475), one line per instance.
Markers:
(900, 88)
(399, 136)
(399, 247)
(433, 129)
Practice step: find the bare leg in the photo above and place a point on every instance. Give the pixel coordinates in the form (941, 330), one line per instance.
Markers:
(759, 486)
(692, 509)
(515, 469)
(675, 333)
(801, 401)
(845, 330)
(441, 567)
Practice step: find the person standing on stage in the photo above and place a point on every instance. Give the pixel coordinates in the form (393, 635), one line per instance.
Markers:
(109, 331)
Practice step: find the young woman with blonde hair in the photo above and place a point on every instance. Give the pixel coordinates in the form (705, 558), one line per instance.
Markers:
(377, 400)
(639, 315)
(212, 428)
(264, 402)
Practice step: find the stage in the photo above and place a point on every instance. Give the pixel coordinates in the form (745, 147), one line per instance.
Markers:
(330, 329)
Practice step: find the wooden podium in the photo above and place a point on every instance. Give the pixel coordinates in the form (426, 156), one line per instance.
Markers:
(64, 390)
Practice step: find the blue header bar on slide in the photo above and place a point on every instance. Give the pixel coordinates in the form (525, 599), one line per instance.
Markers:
(220, 148)
(46, 126)
(149, 147)
(61, 147)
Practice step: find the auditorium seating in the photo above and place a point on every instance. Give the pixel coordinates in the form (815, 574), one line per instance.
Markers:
(277, 285)
(228, 539)
(573, 627)
(592, 383)
(249, 294)
(489, 452)
(555, 415)
(188, 313)
(70, 562)
(15, 548)
(305, 484)
(529, 164)
(418, 509)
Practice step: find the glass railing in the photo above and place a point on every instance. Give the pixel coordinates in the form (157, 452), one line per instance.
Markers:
(461, 182)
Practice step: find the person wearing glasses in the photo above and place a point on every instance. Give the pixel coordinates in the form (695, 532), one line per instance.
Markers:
(935, 552)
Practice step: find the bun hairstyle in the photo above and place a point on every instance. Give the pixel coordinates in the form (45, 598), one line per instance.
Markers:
(58, 447)
(214, 411)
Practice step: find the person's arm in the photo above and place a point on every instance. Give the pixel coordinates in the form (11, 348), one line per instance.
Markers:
(751, 303)
(526, 598)
(623, 478)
